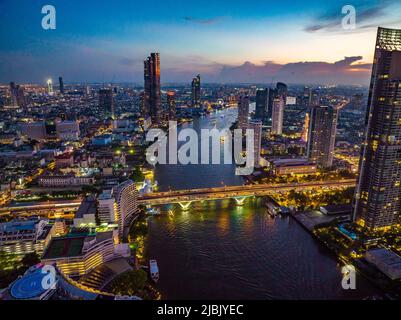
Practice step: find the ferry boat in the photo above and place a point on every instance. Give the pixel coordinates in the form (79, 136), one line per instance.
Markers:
(154, 270)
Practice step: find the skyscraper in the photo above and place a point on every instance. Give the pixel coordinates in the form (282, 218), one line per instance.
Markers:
(243, 112)
(256, 125)
(106, 102)
(322, 135)
(278, 114)
(171, 105)
(378, 193)
(196, 91)
(151, 97)
(17, 95)
(262, 100)
(50, 86)
(61, 84)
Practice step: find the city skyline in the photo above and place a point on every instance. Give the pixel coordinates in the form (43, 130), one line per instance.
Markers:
(222, 42)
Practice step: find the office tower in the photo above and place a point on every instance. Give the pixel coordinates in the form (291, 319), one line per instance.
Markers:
(126, 197)
(171, 105)
(17, 95)
(306, 97)
(50, 86)
(278, 115)
(315, 98)
(305, 129)
(282, 90)
(378, 193)
(106, 102)
(243, 112)
(151, 98)
(61, 84)
(322, 135)
(196, 91)
(256, 125)
(262, 100)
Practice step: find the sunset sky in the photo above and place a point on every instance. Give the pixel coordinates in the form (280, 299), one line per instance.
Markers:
(227, 41)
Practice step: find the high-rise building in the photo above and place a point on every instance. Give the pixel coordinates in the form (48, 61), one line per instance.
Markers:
(50, 86)
(106, 102)
(106, 207)
(305, 129)
(282, 90)
(256, 125)
(151, 97)
(17, 95)
(322, 135)
(262, 101)
(196, 91)
(243, 112)
(171, 105)
(278, 114)
(378, 193)
(61, 84)
(126, 197)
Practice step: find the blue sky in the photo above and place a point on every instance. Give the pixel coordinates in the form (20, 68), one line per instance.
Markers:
(223, 40)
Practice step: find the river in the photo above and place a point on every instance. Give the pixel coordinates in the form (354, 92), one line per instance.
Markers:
(217, 250)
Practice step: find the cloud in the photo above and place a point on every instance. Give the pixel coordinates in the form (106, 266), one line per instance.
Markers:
(349, 70)
(207, 21)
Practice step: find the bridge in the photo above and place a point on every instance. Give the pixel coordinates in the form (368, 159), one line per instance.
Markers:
(185, 197)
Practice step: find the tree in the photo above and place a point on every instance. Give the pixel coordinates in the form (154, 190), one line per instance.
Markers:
(30, 259)
(129, 283)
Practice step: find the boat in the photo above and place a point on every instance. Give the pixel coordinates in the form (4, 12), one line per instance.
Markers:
(153, 211)
(154, 270)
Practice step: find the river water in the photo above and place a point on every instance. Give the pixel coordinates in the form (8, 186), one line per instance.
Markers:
(217, 250)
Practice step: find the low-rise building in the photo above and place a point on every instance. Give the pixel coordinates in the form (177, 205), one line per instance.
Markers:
(86, 213)
(386, 261)
(27, 236)
(293, 166)
(77, 254)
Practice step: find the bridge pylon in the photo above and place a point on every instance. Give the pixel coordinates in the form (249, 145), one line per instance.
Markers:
(185, 205)
(240, 200)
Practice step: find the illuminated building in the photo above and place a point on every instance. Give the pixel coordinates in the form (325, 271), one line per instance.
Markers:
(378, 191)
(243, 112)
(65, 181)
(196, 91)
(152, 97)
(78, 253)
(293, 166)
(86, 213)
(22, 237)
(305, 129)
(106, 102)
(171, 105)
(50, 86)
(67, 130)
(256, 125)
(126, 197)
(106, 207)
(61, 85)
(278, 115)
(322, 135)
